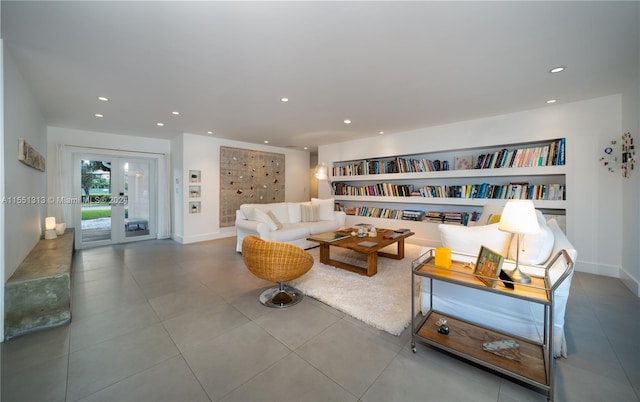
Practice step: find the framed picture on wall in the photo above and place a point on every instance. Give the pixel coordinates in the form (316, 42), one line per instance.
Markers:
(194, 207)
(194, 191)
(194, 176)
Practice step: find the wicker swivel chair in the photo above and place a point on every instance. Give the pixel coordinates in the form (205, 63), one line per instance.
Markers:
(277, 262)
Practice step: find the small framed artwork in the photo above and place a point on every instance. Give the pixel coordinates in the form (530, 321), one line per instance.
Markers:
(194, 176)
(194, 191)
(488, 266)
(194, 207)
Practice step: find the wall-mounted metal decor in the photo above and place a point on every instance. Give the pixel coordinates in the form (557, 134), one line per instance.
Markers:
(248, 177)
(628, 155)
(29, 156)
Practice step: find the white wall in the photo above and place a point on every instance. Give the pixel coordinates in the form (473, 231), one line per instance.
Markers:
(630, 272)
(203, 153)
(22, 119)
(177, 167)
(594, 223)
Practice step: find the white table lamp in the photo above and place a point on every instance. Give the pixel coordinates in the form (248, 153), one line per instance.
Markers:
(50, 228)
(519, 217)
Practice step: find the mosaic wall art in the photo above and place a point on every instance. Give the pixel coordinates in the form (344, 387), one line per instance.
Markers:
(248, 177)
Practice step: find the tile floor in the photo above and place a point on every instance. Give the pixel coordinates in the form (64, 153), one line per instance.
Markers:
(160, 321)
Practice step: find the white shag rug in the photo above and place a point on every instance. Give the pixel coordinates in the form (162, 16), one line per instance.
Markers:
(382, 301)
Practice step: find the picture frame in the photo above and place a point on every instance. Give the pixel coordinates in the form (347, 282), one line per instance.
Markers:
(194, 176)
(194, 207)
(488, 266)
(194, 191)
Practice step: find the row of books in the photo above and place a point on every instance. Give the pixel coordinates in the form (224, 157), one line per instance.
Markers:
(396, 165)
(379, 189)
(374, 212)
(462, 218)
(554, 191)
(552, 154)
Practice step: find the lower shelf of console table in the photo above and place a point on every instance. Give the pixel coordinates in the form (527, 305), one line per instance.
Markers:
(466, 339)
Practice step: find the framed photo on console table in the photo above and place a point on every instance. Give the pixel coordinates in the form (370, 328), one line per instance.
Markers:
(488, 266)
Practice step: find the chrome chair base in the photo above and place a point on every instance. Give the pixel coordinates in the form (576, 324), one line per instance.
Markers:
(281, 297)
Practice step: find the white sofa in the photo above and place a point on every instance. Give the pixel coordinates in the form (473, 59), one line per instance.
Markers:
(515, 316)
(289, 222)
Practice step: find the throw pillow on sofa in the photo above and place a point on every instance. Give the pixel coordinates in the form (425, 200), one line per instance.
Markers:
(325, 208)
(468, 239)
(534, 248)
(275, 219)
(261, 216)
(308, 212)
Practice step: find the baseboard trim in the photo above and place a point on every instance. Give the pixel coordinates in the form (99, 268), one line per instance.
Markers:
(632, 283)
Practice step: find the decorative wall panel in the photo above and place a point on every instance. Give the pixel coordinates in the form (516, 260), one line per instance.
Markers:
(248, 177)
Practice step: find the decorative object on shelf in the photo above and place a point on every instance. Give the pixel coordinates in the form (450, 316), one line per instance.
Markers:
(194, 176)
(60, 228)
(194, 207)
(463, 162)
(50, 228)
(29, 156)
(444, 329)
(443, 326)
(628, 155)
(322, 174)
(507, 348)
(443, 257)
(519, 217)
(249, 177)
(488, 266)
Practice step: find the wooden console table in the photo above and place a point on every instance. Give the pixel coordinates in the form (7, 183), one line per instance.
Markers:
(465, 339)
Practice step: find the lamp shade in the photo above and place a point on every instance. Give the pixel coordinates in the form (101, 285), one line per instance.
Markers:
(50, 223)
(519, 216)
(322, 172)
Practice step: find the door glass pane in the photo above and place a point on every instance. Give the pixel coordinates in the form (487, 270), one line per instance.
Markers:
(136, 198)
(95, 190)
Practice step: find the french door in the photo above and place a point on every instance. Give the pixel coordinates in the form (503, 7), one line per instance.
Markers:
(117, 199)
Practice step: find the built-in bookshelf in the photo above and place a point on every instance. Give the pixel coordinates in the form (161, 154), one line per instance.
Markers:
(452, 186)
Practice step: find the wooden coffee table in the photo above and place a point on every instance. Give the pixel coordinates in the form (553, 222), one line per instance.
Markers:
(372, 253)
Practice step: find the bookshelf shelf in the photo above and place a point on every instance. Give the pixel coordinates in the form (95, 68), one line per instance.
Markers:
(474, 202)
(455, 174)
(540, 164)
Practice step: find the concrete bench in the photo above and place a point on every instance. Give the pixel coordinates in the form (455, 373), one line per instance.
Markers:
(38, 294)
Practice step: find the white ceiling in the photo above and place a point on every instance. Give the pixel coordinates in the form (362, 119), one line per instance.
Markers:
(387, 66)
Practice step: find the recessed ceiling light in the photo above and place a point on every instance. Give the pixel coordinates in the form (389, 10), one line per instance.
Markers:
(160, 124)
(284, 99)
(266, 142)
(103, 98)
(305, 148)
(550, 101)
(347, 121)
(209, 132)
(175, 113)
(556, 69)
(381, 132)
(99, 115)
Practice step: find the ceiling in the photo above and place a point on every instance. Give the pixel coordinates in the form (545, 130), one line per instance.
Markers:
(386, 66)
